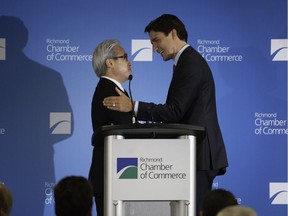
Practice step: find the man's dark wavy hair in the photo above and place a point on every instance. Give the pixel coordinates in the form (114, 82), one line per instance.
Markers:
(166, 23)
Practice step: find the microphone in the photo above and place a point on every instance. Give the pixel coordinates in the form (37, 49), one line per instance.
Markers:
(130, 77)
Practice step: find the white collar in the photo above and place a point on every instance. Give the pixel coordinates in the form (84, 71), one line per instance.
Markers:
(179, 53)
(115, 81)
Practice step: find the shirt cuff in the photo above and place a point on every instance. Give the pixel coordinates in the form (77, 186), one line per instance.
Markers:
(136, 105)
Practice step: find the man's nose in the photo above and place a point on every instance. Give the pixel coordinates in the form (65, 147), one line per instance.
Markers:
(155, 47)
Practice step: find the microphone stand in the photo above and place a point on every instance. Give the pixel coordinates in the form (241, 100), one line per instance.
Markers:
(133, 111)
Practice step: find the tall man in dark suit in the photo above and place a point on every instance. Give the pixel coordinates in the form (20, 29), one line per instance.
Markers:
(190, 100)
(112, 66)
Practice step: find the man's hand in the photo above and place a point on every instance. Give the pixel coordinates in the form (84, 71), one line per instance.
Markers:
(120, 103)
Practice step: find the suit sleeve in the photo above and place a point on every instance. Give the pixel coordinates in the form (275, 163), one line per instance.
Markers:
(185, 89)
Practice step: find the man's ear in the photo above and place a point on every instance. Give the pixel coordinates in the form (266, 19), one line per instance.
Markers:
(108, 63)
(174, 33)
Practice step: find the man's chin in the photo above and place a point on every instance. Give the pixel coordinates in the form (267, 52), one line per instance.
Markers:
(166, 58)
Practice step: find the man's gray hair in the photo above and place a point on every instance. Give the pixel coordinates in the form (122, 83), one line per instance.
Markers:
(102, 52)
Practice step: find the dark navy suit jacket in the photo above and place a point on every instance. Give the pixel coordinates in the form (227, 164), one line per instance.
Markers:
(191, 100)
(102, 116)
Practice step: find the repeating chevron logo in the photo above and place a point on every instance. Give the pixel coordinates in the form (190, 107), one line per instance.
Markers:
(278, 192)
(127, 168)
(279, 49)
(2, 49)
(142, 50)
(60, 122)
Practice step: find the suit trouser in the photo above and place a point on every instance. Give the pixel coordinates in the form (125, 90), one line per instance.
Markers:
(204, 181)
(99, 204)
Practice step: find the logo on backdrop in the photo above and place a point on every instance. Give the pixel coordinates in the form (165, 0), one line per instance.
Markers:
(214, 51)
(62, 50)
(141, 50)
(279, 49)
(127, 168)
(278, 193)
(270, 124)
(2, 49)
(60, 122)
(2, 131)
(49, 193)
(148, 168)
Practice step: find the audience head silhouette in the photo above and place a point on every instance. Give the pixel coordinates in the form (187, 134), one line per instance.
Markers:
(237, 211)
(5, 200)
(216, 200)
(73, 197)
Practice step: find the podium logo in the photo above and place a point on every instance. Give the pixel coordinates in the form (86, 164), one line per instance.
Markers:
(278, 193)
(60, 122)
(127, 168)
(2, 49)
(279, 49)
(142, 50)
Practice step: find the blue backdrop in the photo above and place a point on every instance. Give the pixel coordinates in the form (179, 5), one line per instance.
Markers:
(47, 82)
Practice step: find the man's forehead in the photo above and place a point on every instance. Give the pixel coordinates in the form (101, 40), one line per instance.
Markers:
(154, 35)
(119, 49)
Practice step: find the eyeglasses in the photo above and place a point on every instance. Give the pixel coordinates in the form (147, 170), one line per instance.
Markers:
(125, 56)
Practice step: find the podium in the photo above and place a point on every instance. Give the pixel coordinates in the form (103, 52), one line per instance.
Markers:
(150, 163)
